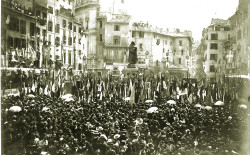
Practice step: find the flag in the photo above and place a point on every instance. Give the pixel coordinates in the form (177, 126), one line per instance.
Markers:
(132, 96)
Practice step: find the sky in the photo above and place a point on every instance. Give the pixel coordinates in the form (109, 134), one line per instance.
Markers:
(191, 15)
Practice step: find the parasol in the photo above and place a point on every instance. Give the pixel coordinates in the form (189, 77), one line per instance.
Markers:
(31, 96)
(116, 136)
(208, 108)
(45, 109)
(15, 109)
(67, 96)
(149, 101)
(127, 98)
(243, 106)
(171, 102)
(198, 106)
(69, 99)
(152, 110)
(103, 136)
(219, 103)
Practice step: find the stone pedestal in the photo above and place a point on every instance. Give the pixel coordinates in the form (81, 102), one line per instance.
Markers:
(130, 71)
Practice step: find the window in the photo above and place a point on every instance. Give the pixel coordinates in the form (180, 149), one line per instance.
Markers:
(44, 32)
(57, 12)
(217, 28)
(38, 13)
(74, 40)
(180, 42)
(117, 28)
(100, 24)
(133, 34)
(79, 30)
(64, 39)
(79, 41)
(64, 23)
(166, 42)
(50, 9)
(57, 29)
(57, 41)
(14, 24)
(64, 57)
(74, 28)
(171, 43)
(228, 36)
(79, 52)
(227, 28)
(70, 25)
(239, 34)
(38, 30)
(158, 41)
(141, 46)
(179, 60)
(32, 29)
(141, 34)
(83, 46)
(116, 40)
(212, 68)
(214, 36)
(213, 57)
(100, 35)
(69, 57)
(214, 46)
(182, 52)
(17, 43)
(10, 41)
(50, 26)
(22, 27)
(79, 66)
(70, 41)
(23, 42)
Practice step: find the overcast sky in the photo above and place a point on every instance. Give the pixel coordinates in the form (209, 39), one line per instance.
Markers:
(191, 15)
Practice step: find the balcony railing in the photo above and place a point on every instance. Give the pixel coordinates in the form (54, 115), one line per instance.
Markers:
(84, 3)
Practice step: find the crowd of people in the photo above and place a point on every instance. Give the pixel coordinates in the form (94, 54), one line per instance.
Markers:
(107, 116)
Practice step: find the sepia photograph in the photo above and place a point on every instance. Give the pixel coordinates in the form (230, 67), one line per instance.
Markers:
(125, 77)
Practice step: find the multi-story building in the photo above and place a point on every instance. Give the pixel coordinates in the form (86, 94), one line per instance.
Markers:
(214, 38)
(227, 44)
(42, 33)
(159, 47)
(238, 46)
(18, 33)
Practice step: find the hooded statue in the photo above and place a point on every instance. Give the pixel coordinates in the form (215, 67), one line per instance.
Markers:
(132, 59)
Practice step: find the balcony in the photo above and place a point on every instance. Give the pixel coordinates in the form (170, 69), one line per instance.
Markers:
(85, 3)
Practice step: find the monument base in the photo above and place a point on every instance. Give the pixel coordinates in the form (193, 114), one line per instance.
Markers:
(131, 70)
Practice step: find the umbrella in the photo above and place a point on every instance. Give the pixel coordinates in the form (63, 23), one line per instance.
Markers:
(243, 106)
(208, 108)
(69, 99)
(15, 109)
(138, 121)
(152, 110)
(116, 136)
(127, 98)
(219, 103)
(67, 96)
(104, 136)
(198, 106)
(31, 96)
(45, 109)
(149, 101)
(171, 102)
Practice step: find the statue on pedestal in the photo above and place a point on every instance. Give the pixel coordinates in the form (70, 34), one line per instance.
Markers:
(132, 59)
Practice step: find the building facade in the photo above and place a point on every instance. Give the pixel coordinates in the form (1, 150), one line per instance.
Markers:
(159, 47)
